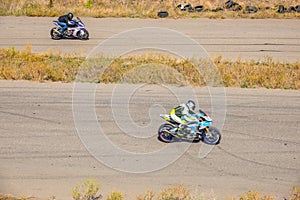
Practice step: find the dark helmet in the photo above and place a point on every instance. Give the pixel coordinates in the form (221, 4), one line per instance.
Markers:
(70, 16)
(191, 105)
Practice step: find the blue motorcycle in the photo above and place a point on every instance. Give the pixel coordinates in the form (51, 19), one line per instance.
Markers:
(198, 130)
(76, 29)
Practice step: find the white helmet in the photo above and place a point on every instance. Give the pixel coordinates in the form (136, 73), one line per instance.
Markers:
(191, 105)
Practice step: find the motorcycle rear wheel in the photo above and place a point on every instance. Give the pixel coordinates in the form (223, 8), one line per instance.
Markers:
(212, 137)
(55, 34)
(163, 133)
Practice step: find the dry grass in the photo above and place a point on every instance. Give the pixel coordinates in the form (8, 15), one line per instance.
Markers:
(148, 196)
(115, 196)
(12, 197)
(141, 8)
(295, 193)
(24, 65)
(87, 190)
(152, 69)
(149, 68)
(179, 192)
(266, 73)
(254, 195)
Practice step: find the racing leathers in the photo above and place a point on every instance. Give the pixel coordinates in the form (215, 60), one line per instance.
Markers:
(182, 114)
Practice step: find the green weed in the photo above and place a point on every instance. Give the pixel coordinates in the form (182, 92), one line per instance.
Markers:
(86, 190)
(115, 196)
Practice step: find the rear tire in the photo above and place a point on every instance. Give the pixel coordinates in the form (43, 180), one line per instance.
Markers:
(55, 34)
(163, 134)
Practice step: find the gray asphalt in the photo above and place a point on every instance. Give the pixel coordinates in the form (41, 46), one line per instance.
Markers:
(231, 38)
(42, 155)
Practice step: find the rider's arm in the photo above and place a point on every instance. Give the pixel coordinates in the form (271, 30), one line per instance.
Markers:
(189, 115)
(71, 23)
(190, 118)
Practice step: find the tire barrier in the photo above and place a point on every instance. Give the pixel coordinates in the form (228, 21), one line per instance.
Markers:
(282, 9)
(198, 8)
(234, 6)
(250, 9)
(231, 5)
(162, 14)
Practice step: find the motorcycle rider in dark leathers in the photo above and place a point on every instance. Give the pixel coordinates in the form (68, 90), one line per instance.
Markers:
(65, 20)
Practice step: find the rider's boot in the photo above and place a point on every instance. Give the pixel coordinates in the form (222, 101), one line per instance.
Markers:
(174, 130)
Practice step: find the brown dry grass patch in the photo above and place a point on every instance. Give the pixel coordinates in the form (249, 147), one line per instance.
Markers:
(142, 8)
(149, 68)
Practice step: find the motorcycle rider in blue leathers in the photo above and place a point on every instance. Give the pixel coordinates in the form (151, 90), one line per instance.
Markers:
(64, 21)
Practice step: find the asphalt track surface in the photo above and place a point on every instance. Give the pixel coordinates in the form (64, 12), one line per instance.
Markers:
(231, 38)
(43, 154)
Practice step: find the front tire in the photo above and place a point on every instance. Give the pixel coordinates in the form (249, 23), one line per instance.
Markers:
(83, 34)
(212, 137)
(55, 34)
(164, 134)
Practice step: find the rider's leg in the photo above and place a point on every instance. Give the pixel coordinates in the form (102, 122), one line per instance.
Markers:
(63, 25)
(176, 118)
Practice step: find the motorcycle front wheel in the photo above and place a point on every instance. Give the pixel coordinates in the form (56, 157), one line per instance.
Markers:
(55, 34)
(83, 34)
(164, 133)
(212, 136)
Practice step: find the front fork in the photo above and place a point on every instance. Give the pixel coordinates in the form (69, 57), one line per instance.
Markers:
(203, 131)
